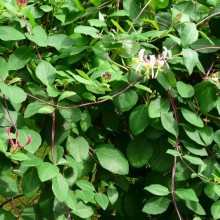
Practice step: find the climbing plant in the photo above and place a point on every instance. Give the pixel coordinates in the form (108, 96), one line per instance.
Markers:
(109, 109)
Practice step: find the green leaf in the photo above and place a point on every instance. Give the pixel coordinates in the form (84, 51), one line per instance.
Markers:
(192, 117)
(36, 139)
(82, 210)
(85, 185)
(207, 99)
(87, 30)
(193, 134)
(14, 93)
(187, 195)
(71, 115)
(38, 36)
(85, 196)
(166, 79)
(215, 209)
(60, 41)
(169, 123)
(60, 187)
(156, 205)
(78, 148)
(185, 90)
(139, 151)
(207, 134)
(189, 34)
(157, 106)
(102, 200)
(37, 107)
(125, 101)
(112, 193)
(71, 200)
(8, 187)
(19, 58)
(112, 159)
(196, 207)
(46, 73)
(158, 189)
(190, 59)
(6, 215)
(4, 69)
(30, 182)
(139, 119)
(8, 33)
(85, 121)
(47, 171)
(193, 160)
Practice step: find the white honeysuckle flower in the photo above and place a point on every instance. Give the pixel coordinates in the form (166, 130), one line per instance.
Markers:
(142, 56)
(101, 17)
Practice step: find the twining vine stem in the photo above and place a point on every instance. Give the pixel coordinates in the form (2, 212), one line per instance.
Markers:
(176, 148)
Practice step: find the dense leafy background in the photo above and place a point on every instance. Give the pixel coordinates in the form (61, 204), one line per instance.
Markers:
(111, 138)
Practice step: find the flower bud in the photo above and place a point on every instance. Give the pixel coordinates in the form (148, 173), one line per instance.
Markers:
(21, 2)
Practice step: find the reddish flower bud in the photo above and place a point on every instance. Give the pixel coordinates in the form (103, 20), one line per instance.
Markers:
(21, 2)
(28, 141)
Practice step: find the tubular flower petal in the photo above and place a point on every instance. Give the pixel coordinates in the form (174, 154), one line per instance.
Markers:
(143, 63)
(17, 145)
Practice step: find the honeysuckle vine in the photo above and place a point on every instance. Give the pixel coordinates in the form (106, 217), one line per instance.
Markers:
(109, 109)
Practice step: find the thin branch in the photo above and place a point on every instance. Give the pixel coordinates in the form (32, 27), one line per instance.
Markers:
(53, 135)
(88, 103)
(176, 116)
(212, 15)
(8, 112)
(140, 13)
(15, 208)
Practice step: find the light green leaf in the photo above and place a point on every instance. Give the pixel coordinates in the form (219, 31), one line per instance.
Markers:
(139, 151)
(14, 93)
(4, 69)
(193, 159)
(156, 205)
(60, 41)
(60, 187)
(45, 72)
(215, 209)
(38, 36)
(19, 58)
(192, 117)
(71, 115)
(112, 193)
(189, 34)
(112, 159)
(185, 90)
(82, 210)
(193, 134)
(8, 33)
(78, 148)
(169, 123)
(157, 106)
(190, 59)
(37, 107)
(187, 195)
(8, 187)
(158, 189)
(87, 30)
(85, 185)
(196, 207)
(207, 135)
(102, 200)
(47, 171)
(139, 119)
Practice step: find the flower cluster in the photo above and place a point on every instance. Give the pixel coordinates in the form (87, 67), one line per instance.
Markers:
(143, 63)
(16, 146)
(21, 2)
